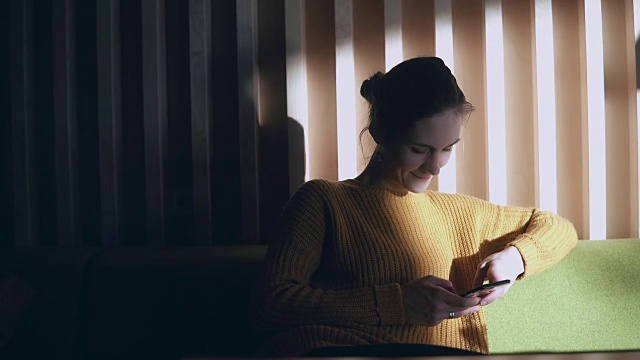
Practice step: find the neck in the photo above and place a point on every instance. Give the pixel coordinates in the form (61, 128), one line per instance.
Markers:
(373, 174)
(372, 171)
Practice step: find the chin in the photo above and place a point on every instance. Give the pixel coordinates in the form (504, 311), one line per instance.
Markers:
(419, 188)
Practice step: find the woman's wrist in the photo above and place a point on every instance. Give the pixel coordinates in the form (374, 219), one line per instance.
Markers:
(518, 260)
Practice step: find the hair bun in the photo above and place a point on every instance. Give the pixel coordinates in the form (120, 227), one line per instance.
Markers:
(370, 88)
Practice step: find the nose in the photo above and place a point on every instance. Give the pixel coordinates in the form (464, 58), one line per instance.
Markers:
(431, 165)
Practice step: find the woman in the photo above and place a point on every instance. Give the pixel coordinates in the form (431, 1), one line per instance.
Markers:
(379, 259)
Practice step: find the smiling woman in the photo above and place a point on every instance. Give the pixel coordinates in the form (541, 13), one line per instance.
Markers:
(418, 153)
(379, 259)
(416, 112)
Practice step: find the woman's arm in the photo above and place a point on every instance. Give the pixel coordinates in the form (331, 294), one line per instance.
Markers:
(546, 240)
(284, 295)
(524, 241)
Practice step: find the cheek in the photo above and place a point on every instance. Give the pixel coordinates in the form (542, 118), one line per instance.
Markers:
(406, 160)
(413, 162)
(444, 158)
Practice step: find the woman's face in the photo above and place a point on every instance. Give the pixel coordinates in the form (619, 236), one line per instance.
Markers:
(413, 157)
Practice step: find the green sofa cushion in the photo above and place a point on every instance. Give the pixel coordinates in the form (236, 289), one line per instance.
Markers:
(590, 301)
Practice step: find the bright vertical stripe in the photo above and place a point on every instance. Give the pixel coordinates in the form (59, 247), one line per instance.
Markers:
(636, 24)
(444, 32)
(392, 33)
(345, 96)
(546, 135)
(596, 120)
(496, 132)
(297, 92)
(444, 50)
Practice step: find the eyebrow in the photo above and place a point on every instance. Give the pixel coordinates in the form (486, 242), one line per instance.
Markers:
(431, 147)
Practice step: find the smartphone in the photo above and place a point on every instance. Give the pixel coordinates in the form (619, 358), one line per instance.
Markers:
(483, 288)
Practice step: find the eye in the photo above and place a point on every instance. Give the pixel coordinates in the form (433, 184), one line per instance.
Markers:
(449, 149)
(419, 150)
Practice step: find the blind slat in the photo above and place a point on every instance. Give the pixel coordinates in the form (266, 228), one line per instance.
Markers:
(110, 119)
(247, 40)
(65, 117)
(25, 201)
(155, 116)
(619, 97)
(201, 116)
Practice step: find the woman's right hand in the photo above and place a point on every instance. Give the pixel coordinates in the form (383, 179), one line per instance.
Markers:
(430, 300)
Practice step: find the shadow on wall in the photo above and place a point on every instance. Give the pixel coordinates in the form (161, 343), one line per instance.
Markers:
(281, 169)
(637, 63)
(297, 155)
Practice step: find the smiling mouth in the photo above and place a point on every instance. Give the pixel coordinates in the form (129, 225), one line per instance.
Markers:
(422, 177)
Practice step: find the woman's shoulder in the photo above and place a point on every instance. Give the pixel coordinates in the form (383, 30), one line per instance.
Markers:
(458, 201)
(321, 185)
(323, 188)
(469, 203)
(453, 198)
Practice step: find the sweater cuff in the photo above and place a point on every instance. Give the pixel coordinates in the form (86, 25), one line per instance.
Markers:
(389, 304)
(528, 250)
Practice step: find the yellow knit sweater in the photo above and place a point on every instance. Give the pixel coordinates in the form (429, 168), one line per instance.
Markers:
(341, 251)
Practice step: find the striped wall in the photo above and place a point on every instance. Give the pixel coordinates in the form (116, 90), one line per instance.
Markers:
(169, 122)
(553, 83)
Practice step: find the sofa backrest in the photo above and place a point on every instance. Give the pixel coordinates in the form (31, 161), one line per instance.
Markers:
(168, 303)
(161, 303)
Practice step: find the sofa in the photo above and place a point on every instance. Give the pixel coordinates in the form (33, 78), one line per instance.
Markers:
(174, 303)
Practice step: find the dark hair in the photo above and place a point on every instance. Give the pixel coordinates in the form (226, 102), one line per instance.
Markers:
(412, 90)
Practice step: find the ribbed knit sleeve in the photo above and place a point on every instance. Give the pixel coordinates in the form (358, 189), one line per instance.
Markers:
(547, 240)
(543, 238)
(285, 297)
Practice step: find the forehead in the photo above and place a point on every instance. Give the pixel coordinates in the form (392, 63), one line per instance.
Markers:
(438, 131)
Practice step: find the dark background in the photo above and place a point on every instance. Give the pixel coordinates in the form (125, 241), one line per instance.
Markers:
(81, 166)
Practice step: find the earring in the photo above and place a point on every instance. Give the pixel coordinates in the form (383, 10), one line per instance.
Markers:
(379, 156)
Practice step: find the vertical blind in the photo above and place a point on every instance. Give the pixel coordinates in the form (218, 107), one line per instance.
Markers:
(553, 83)
(169, 122)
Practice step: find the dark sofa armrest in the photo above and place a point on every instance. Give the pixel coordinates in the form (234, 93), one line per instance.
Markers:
(15, 297)
(49, 325)
(167, 303)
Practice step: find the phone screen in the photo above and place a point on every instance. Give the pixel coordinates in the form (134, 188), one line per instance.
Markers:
(484, 288)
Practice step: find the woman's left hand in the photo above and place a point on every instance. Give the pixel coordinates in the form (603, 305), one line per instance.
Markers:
(503, 265)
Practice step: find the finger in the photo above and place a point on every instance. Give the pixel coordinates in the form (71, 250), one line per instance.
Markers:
(443, 283)
(450, 288)
(462, 312)
(459, 302)
(489, 299)
(493, 296)
(481, 273)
